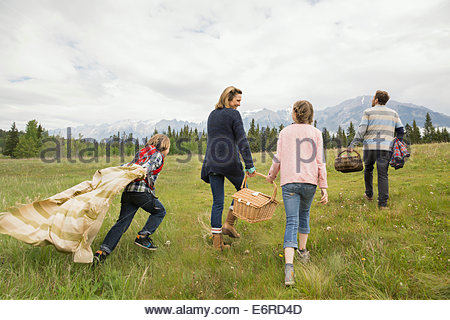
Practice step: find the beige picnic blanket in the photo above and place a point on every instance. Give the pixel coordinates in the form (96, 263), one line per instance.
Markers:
(70, 220)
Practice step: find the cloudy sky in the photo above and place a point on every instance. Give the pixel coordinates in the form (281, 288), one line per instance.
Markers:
(67, 63)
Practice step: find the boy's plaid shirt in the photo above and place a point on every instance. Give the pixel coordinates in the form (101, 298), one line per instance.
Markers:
(154, 163)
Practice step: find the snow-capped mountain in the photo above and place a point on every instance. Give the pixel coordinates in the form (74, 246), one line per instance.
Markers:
(331, 118)
(139, 129)
(352, 110)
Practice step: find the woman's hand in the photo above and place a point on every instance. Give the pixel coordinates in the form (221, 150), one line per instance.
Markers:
(324, 199)
(269, 179)
(251, 172)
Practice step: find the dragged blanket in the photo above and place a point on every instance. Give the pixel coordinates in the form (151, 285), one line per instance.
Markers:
(70, 220)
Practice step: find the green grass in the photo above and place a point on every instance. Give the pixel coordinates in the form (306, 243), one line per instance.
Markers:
(358, 252)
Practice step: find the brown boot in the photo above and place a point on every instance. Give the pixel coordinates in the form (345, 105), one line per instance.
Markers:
(228, 227)
(218, 242)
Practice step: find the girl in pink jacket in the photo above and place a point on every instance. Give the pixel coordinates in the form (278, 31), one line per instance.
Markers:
(301, 164)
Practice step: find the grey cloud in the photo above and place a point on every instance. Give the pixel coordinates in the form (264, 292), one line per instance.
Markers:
(24, 99)
(176, 57)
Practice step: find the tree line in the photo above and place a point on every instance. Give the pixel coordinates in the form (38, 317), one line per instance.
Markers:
(36, 142)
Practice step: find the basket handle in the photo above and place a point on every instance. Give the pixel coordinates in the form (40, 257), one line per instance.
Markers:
(260, 174)
(348, 152)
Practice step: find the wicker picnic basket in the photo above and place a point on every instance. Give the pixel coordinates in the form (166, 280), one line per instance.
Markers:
(348, 163)
(253, 206)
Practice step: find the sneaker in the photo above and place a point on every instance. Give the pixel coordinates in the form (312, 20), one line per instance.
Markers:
(383, 208)
(145, 241)
(303, 255)
(289, 274)
(367, 197)
(99, 257)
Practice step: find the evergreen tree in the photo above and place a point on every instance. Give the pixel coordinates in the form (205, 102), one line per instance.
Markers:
(341, 137)
(437, 135)
(263, 139)
(40, 132)
(445, 135)
(12, 139)
(429, 131)
(3, 135)
(326, 138)
(271, 142)
(415, 134)
(335, 142)
(269, 139)
(196, 136)
(253, 137)
(274, 132)
(185, 131)
(350, 132)
(315, 123)
(252, 129)
(408, 133)
(344, 138)
(29, 143)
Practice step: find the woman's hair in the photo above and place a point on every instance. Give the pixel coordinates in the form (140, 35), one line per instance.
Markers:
(227, 95)
(304, 112)
(160, 141)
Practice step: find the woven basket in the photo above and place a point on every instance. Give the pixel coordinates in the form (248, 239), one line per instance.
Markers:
(253, 206)
(348, 163)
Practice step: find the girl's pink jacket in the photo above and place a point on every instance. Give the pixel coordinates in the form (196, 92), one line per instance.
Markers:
(300, 157)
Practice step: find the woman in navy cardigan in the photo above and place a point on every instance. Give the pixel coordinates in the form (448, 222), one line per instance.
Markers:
(226, 139)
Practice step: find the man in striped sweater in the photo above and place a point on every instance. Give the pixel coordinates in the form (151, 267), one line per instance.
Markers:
(377, 130)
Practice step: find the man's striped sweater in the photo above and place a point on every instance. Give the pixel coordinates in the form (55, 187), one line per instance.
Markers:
(377, 128)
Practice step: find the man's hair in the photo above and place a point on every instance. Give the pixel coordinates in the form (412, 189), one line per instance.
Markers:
(227, 95)
(382, 96)
(304, 112)
(160, 141)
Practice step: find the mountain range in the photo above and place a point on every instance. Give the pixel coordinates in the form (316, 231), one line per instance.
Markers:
(331, 118)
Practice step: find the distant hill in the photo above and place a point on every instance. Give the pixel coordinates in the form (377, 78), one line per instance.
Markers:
(330, 118)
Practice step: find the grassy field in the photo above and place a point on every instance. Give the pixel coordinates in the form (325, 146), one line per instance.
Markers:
(357, 251)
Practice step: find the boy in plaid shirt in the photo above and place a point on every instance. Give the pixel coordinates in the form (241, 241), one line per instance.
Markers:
(140, 194)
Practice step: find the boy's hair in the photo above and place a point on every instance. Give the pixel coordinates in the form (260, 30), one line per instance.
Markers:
(382, 96)
(160, 141)
(227, 95)
(304, 112)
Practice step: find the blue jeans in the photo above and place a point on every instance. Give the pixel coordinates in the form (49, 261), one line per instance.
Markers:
(217, 188)
(130, 203)
(297, 198)
(382, 158)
